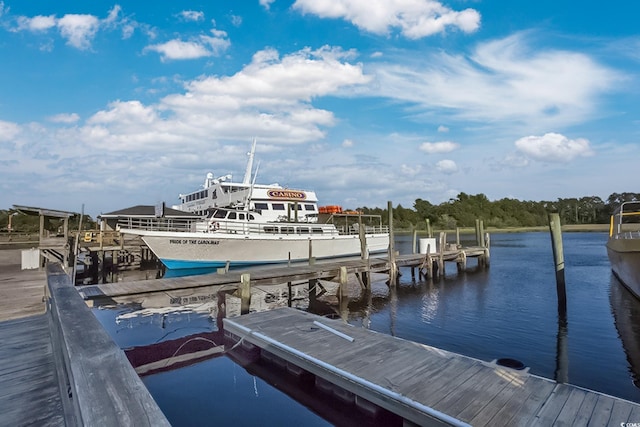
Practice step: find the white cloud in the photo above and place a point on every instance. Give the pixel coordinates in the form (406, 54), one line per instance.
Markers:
(236, 20)
(502, 80)
(438, 147)
(271, 98)
(37, 23)
(414, 18)
(64, 118)
(8, 130)
(203, 46)
(443, 129)
(553, 147)
(347, 143)
(79, 30)
(266, 3)
(447, 167)
(192, 15)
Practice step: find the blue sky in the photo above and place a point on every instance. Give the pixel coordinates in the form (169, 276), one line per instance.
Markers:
(113, 104)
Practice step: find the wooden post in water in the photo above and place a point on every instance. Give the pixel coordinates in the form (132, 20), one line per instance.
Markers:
(458, 237)
(481, 233)
(312, 292)
(343, 292)
(392, 249)
(363, 250)
(558, 258)
(478, 232)
(428, 228)
(245, 293)
(312, 260)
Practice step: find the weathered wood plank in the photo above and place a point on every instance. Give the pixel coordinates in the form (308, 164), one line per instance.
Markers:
(569, 411)
(620, 412)
(601, 412)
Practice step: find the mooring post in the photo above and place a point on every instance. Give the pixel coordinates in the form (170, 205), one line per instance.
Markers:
(428, 228)
(478, 232)
(312, 291)
(392, 249)
(343, 291)
(364, 255)
(558, 257)
(562, 355)
(481, 233)
(414, 240)
(312, 260)
(245, 293)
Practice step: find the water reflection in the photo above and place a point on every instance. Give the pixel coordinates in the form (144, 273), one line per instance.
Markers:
(626, 313)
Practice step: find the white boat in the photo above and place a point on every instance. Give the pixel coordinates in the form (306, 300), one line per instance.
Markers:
(272, 201)
(623, 246)
(236, 238)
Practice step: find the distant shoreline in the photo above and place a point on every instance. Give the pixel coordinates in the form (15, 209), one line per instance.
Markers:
(594, 228)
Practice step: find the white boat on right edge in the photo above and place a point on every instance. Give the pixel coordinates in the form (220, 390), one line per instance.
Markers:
(239, 238)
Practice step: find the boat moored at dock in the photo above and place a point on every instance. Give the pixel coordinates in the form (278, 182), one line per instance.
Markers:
(623, 246)
(236, 238)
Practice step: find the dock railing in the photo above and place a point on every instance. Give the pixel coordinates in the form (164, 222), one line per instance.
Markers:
(98, 385)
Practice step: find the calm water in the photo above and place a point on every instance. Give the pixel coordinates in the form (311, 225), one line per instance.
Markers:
(509, 310)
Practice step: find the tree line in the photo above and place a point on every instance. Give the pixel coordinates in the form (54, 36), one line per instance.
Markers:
(459, 212)
(463, 211)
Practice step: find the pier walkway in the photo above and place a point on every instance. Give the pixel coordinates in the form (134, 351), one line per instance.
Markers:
(29, 391)
(269, 275)
(423, 384)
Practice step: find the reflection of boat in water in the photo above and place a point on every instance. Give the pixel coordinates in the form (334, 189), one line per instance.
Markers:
(626, 314)
(177, 353)
(623, 246)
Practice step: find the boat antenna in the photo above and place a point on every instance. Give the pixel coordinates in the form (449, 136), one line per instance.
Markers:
(247, 172)
(253, 182)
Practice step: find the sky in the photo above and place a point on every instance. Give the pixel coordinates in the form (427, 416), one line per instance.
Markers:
(106, 105)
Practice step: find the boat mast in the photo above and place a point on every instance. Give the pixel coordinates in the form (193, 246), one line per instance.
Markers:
(247, 172)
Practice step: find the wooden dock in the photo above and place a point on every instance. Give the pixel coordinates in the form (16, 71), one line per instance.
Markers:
(422, 384)
(275, 274)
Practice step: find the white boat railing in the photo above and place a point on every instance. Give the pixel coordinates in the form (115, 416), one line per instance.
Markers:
(244, 227)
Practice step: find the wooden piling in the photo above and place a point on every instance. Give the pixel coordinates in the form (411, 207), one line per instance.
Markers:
(428, 228)
(558, 257)
(245, 293)
(392, 250)
(343, 291)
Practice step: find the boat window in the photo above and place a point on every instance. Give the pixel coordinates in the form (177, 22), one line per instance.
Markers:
(261, 206)
(303, 230)
(309, 207)
(277, 206)
(286, 230)
(251, 217)
(316, 230)
(219, 214)
(241, 216)
(232, 215)
(273, 230)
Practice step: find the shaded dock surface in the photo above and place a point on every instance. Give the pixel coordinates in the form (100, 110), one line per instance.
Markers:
(30, 394)
(423, 384)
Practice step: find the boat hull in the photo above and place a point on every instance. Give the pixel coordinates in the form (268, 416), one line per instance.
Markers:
(624, 256)
(210, 250)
